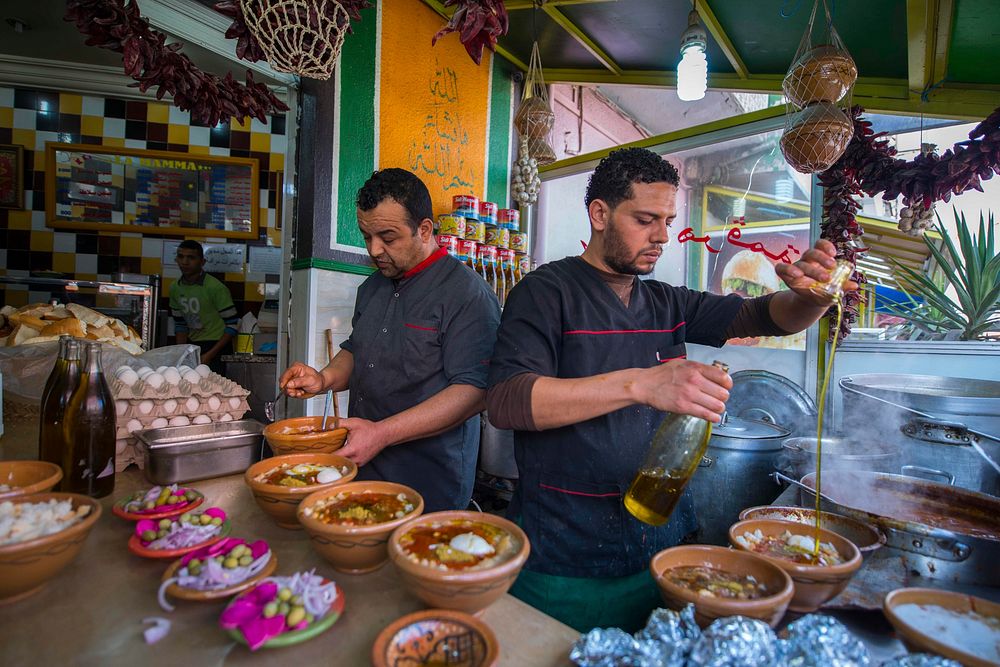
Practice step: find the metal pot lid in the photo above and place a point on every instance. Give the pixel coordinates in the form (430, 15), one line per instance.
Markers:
(735, 428)
(844, 448)
(768, 397)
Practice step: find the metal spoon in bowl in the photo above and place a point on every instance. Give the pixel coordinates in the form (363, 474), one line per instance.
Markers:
(269, 405)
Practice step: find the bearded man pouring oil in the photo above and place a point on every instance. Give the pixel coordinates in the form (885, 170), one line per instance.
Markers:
(588, 358)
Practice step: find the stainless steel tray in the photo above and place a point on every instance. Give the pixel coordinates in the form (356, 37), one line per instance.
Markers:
(186, 453)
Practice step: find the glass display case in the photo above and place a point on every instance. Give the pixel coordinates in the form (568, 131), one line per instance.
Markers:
(132, 298)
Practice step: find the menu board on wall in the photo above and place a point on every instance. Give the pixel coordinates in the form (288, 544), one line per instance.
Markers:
(117, 189)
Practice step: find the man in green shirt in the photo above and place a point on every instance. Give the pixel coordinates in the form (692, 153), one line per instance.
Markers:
(202, 308)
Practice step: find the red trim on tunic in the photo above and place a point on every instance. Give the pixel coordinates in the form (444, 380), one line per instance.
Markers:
(433, 257)
(587, 332)
(414, 326)
(663, 361)
(579, 493)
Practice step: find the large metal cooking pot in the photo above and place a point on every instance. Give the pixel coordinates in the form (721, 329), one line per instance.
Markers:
(733, 475)
(946, 423)
(940, 531)
(798, 456)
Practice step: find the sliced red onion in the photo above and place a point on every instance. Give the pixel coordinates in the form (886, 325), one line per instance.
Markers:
(159, 629)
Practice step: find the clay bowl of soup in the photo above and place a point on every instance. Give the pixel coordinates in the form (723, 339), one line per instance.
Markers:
(280, 483)
(818, 577)
(21, 478)
(721, 582)
(458, 560)
(865, 537)
(349, 525)
(42, 539)
(304, 435)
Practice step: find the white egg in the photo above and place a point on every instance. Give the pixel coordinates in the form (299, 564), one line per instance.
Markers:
(192, 377)
(121, 445)
(171, 376)
(471, 543)
(328, 475)
(129, 377)
(145, 407)
(121, 369)
(203, 370)
(192, 404)
(226, 418)
(154, 380)
(179, 421)
(169, 405)
(214, 403)
(121, 407)
(144, 371)
(133, 425)
(161, 369)
(202, 419)
(159, 422)
(234, 402)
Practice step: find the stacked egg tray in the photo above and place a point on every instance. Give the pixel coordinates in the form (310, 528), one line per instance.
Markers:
(169, 396)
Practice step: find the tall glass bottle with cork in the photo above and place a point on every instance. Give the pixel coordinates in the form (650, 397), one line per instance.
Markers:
(58, 389)
(673, 457)
(89, 429)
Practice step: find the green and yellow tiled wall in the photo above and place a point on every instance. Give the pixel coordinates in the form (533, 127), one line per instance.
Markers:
(30, 118)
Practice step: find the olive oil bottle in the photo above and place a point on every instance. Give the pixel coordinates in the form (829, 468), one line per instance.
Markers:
(58, 389)
(89, 430)
(674, 455)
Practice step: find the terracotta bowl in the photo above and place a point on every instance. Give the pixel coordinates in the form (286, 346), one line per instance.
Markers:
(865, 537)
(436, 637)
(814, 584)
(355, 549)
(314, 442)
(282, 502)
(769, 609)
(945, 633)
(468, 591)
(27, 477)
(26, 566)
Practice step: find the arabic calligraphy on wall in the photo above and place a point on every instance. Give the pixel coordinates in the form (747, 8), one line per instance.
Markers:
(433, 111)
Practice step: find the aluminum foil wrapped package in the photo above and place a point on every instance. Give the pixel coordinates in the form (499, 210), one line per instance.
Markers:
(734, 642)
(822, 641)
(673, 633)
(613, 647)
(920, 660)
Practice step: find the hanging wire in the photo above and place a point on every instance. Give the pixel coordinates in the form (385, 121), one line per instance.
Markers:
(783, 10)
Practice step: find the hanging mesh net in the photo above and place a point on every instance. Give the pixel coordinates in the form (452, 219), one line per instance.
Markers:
(818, 87)
(534, 117)
(303, 37)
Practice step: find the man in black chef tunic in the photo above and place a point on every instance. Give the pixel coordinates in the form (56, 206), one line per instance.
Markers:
(417, 358)
(588, 358)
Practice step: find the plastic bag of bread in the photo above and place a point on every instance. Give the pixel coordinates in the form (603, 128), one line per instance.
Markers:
(42, 323)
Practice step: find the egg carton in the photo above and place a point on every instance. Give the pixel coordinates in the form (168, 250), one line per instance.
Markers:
(124, 428)
(207, 386)
(127, 453)
(191, 406)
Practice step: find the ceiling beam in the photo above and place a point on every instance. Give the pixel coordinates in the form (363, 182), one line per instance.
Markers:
(446, 13)
(721, 38)
(942, 41)
(581, 37)
(921, 31)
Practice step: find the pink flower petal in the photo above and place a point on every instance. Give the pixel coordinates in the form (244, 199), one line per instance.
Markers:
(258, 549)
(144, 525)
(239, 612)
(258, 631)
(216, 512)
(265, 592)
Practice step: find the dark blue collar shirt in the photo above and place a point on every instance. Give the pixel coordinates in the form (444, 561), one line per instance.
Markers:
(564, 321)
(411, 339)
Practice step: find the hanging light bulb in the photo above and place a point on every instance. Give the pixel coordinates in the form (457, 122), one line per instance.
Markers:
(692, 72)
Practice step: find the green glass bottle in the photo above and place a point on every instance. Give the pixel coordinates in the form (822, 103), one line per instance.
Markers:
(89, 429)
(674, 455)
(58, 389)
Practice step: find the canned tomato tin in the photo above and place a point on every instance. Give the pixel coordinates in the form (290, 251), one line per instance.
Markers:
(466, 206)
(498, 237)
(519, 241)
(449, 243)
(509, 218)
(475, 230)
(466, 248)
(488, 212)
(524, 262)
(451, 225)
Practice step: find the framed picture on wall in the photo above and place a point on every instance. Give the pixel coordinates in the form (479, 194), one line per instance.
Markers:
(11, 176)
(100, 188)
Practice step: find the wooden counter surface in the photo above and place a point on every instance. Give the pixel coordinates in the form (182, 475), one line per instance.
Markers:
(91, 613)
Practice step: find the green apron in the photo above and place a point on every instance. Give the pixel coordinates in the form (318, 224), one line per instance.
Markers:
(585, 604)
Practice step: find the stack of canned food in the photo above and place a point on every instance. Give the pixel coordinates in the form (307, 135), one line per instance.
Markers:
(487, 239)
